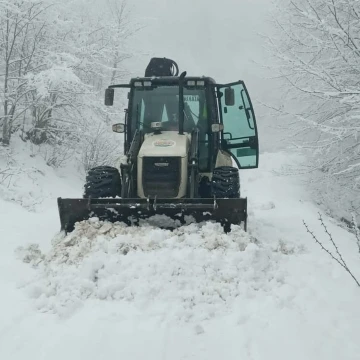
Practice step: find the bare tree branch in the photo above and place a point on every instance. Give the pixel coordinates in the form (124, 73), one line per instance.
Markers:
(337, 257)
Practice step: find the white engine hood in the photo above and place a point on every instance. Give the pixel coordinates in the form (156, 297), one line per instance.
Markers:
(168, 143)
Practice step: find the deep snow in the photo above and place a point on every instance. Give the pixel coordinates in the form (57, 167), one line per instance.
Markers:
(109, 291)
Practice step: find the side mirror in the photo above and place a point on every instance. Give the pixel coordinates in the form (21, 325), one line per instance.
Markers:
(229, 97)
(109, 96)
(217, 128)
(118, 128)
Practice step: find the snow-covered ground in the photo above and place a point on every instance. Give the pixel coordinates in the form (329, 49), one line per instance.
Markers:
(110, 291)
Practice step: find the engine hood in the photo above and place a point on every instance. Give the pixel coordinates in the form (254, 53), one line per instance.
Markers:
(168, 143)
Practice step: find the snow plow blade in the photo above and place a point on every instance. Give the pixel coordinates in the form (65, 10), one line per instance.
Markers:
(224, 211)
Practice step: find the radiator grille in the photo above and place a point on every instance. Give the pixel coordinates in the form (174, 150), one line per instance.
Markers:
(161, 176)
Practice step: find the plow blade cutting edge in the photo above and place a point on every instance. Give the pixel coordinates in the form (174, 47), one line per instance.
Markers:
(129, 211)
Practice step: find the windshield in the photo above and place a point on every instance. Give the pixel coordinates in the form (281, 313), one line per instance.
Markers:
(161, 104)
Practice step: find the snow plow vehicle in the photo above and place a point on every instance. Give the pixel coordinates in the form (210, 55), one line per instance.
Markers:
(185, 139)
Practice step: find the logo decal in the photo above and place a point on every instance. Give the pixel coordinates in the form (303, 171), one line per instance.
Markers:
(164, 143)
(161, 164)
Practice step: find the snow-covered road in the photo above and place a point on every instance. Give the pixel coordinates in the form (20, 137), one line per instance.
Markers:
(109, 291)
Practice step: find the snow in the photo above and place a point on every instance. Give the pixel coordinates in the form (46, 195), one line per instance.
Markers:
(27, 179)
(112, 291)
(195, 269)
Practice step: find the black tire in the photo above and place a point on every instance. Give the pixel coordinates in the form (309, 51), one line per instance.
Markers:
(102, 181)
(225, 182)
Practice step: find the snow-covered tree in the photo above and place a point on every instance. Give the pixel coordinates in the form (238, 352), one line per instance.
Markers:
(22, 32)
(56, 59)
(319, 56)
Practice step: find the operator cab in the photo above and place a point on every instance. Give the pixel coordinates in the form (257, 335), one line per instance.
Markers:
(154, 106)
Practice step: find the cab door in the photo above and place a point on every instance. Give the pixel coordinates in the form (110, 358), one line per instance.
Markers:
(240, 136)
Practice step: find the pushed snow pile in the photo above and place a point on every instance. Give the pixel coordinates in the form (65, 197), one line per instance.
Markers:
(194, 271)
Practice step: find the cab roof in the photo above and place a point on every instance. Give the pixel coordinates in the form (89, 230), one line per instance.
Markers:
(173, 80)
(165, 80)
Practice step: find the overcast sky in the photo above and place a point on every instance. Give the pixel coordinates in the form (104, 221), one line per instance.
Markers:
(216, 38)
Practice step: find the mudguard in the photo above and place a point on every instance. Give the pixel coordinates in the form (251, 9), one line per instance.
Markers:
(225, 211)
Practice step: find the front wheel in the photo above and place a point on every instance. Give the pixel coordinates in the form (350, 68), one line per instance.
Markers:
(225, 182)
(102, 181)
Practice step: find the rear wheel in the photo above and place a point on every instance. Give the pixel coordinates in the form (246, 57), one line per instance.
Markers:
(225, 182)
(102, 181)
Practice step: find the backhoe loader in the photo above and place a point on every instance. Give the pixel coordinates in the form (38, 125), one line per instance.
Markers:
(185, 140)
